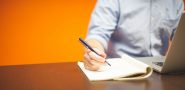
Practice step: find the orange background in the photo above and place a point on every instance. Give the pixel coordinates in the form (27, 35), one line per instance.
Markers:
(42, 31)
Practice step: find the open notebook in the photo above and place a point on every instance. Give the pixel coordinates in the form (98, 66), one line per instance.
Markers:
(125, 68)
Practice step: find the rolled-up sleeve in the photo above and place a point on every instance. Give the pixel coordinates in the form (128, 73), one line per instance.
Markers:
(103, 21)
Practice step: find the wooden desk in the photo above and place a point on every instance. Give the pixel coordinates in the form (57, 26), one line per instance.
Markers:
(67, 76)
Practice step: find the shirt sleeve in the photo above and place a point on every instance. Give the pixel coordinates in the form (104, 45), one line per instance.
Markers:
(103, 21)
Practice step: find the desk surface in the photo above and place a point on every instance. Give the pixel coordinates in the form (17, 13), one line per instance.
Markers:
(67, 76)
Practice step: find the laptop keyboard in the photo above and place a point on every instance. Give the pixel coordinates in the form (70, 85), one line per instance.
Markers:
(158, 63)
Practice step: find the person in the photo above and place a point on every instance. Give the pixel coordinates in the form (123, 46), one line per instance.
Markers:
(139, 28)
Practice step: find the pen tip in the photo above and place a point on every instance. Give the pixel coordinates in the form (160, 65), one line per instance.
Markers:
(108, 63)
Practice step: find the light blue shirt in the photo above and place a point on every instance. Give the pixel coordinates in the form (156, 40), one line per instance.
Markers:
(135, 27)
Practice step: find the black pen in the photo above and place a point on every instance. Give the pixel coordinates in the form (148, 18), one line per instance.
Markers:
(89, 47)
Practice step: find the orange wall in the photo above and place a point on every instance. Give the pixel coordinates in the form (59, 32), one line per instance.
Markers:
(42, 31)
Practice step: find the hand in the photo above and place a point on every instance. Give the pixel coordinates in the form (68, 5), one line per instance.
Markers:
(92, 61)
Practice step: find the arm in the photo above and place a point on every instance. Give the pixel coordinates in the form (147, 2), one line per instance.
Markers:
(103, 23)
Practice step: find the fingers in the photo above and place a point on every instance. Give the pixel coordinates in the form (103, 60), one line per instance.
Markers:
(93, 67)
(94, 56)
(101, 53)
(92, 61)
(90, 64)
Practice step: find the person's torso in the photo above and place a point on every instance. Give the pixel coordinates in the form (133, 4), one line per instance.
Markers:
(144, 27)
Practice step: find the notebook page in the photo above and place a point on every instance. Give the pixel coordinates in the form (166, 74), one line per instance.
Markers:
(134, 62)
(118, 68)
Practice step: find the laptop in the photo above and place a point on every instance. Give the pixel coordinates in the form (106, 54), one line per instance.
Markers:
(174, 61)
